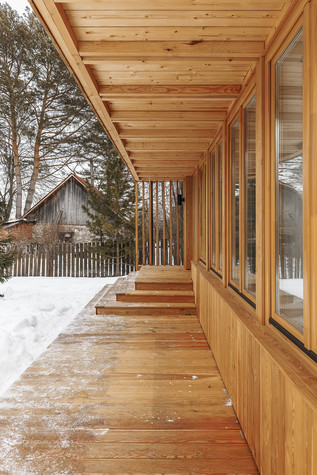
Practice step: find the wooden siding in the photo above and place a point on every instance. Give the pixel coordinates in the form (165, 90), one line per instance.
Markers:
(64, 206)
(273, 389)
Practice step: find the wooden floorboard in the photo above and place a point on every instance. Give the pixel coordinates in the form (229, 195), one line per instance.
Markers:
(132, 394)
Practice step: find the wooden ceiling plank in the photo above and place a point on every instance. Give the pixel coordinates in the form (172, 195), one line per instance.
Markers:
(167, 115)
(188, 49)
(166, 133)
(173, 18)
(157, 125)
(167, 155)
(159, 33)
(161, 5)
(165, 105)
(214, 91)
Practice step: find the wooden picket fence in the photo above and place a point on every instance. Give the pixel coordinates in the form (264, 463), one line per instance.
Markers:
(70, 260)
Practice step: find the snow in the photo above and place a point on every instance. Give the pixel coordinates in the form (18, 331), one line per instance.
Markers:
(292, 286)
(33, 311)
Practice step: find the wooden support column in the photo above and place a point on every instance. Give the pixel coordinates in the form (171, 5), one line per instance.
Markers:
(150, 223)
(189, 227)
(157, 224)
(136, 226)
(143, 225)
(164, 224)
(171, 226)
(177, 226)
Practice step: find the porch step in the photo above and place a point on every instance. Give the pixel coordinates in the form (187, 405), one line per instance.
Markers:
(163, 284)
(167, 296)
(145, 308)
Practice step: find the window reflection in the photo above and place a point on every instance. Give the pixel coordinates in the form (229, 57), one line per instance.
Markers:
(235, 197)
(250, 198)
(289, 184)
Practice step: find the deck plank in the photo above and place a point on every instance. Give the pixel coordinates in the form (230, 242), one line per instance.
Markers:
(132, 394)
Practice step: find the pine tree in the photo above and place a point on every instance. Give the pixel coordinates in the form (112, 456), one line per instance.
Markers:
(6, 249)
(111, 207)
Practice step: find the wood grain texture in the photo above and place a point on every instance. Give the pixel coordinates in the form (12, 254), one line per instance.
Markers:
(272, 387)
(113, 394)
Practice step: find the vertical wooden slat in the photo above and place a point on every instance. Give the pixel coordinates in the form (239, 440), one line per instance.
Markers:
(150, 223)
(171, 227)
(157, 225)
(177, 226)
(143, 225)
(136, 224)
(164, 225)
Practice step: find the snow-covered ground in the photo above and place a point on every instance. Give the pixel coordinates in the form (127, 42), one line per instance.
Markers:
(33, 311)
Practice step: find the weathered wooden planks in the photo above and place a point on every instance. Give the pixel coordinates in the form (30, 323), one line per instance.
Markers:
(114, 394)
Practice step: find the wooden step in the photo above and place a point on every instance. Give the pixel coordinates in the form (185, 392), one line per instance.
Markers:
(163, 284)
(168, 296)
(145, 308)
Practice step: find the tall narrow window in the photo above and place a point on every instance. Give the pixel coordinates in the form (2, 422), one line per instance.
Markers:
(249, 197)
(220, 203)
(289, 184)
(203, 213)
(213, 208)
(235, 198)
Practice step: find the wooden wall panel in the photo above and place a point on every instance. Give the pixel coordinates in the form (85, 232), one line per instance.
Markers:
(273, 389)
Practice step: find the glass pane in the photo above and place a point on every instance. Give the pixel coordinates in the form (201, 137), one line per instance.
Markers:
(203, 213)
(213, 208)
(249, 157)
(289, 184)
(220, 203)
(235, 192)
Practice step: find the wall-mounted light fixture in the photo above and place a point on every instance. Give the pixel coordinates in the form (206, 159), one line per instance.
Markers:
(180, 200)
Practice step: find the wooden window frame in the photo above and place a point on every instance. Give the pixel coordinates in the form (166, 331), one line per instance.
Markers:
(215, 150)
(239, 115)
(282, 47)
(202, 177)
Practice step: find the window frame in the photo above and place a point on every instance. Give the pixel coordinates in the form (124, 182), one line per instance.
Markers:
(275, 58)
(202, 178)
(218, 212)
(239, 115)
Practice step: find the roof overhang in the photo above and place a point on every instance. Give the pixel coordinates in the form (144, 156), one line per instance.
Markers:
(161, 75)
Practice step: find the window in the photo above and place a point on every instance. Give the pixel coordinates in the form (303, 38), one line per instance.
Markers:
(213, 209)
(220, 204)
(249, 198)
(216, 208)
(203, 213)
(243, 201)
(235, 201)
(288, 256)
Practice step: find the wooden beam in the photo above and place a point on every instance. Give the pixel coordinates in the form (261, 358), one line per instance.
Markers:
(176, 104)
(165, 164)
(186, 49)
(167, 115)
(125, 91)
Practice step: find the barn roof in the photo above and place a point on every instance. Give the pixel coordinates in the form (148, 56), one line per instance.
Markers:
(55, 190)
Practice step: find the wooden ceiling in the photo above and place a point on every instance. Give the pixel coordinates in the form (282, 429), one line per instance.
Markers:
(161, 74)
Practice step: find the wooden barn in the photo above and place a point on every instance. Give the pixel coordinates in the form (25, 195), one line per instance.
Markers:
(59, 214)
(221, 98)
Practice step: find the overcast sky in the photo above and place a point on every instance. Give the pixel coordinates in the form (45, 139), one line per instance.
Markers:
(18, 5)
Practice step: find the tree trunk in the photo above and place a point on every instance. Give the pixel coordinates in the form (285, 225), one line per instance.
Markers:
(18, 175)
(34, 177)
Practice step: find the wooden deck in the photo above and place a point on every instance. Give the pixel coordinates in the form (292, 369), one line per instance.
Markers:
(123, 394)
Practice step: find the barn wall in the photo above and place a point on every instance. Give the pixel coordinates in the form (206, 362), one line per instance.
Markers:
(64, 207)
